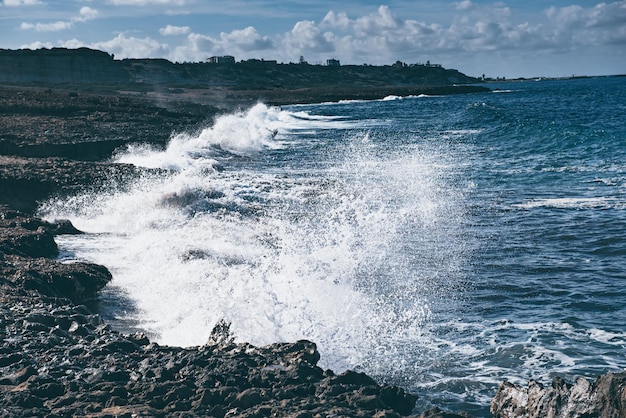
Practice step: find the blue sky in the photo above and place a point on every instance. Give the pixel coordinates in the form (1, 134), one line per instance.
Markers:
(497, 38)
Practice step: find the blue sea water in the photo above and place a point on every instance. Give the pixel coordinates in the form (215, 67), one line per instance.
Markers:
(443, 244)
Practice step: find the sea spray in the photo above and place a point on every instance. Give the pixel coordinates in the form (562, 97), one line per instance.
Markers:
(444, 244)
(282, 254)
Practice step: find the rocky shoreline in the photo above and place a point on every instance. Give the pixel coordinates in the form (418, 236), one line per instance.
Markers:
(59, 358)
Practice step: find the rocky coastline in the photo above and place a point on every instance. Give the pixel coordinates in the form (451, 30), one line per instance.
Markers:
(59, 358)
(57, 355)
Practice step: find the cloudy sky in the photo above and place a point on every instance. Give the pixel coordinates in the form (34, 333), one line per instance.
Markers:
(498, 38)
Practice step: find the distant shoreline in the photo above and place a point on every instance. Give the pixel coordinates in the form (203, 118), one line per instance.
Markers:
(225, 85)
(229, 99)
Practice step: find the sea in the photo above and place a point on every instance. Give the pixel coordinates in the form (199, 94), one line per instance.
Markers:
(443, 244)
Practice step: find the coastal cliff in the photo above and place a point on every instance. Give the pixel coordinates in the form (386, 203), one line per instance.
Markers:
(227, 85)
(83, 65)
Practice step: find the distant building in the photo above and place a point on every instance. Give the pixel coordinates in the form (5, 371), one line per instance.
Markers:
(255, 61)
(333, 62)
(225, 59)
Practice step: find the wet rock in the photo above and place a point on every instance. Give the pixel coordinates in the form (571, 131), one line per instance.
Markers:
(439, 413)
(17, 239)
(604, 398)
(76, 281)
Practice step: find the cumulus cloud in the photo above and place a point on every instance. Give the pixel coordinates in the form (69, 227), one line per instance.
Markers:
(475, 32)
(383, 37)
(84, 14)
(247, 39)
(131, 47)
(307, 37)
(475, 29)
(122, 46)
(170, 30)
(603, 23)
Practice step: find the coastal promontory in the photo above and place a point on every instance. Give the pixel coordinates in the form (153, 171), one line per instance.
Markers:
(227, 84)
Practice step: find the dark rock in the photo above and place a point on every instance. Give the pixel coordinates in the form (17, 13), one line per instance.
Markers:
(16, 239)
(19, 376)
(248, 398)
(398, 400)
(48, 390)
(64, 227)
(605, 398)
(350, 377)
(9, 359)
(76, 281)
(439, 413)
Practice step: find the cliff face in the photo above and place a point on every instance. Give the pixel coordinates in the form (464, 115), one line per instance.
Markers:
(59, 65)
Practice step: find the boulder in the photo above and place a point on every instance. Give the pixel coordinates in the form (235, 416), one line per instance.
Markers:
(604, 398)
(78, 282)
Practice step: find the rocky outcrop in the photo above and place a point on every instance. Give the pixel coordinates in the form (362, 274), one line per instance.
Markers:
(58, 65)
(26, 245)
(604, 398)
(60, 141)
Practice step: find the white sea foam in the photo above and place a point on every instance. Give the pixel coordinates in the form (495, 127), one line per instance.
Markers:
(608, 337)
(573, 203)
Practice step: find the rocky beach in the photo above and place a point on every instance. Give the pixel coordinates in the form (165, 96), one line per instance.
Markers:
(58, 357)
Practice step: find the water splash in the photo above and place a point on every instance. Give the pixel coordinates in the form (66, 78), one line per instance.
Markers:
(343, 256)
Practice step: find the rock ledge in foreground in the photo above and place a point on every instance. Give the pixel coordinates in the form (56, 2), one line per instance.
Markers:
(604, 398)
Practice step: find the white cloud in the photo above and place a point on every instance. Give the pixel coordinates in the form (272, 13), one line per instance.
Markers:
(170, 30)
(85, 13)
(243, 43)
(339, 21)
(306, 37)
(601, 24)
(17, 3)
(123, 46)
(47, 27)
(476, 29)
(247, 39)
(149, 2)
(475, 33)
(464, 5)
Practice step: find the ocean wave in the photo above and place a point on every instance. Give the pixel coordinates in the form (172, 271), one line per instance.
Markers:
(573, 203)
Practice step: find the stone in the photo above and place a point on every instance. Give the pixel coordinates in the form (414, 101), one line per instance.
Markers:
(605, 398)
(19, 376)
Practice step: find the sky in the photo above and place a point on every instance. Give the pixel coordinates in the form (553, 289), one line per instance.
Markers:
(530, 38)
